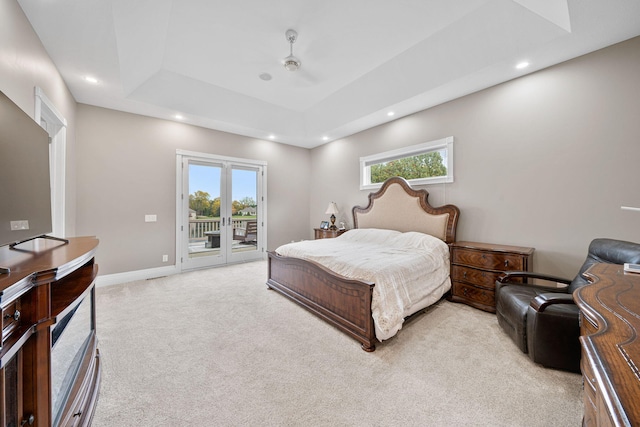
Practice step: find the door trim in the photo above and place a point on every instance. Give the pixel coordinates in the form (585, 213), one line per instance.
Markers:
(56, 127)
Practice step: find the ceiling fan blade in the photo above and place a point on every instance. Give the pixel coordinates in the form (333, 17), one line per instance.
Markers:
(307, 76)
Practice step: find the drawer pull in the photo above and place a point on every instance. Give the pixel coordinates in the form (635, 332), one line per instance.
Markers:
(77, 414)
(506, 263)
(16, 316)
(464, 291)
(29, 420)
(464, 274)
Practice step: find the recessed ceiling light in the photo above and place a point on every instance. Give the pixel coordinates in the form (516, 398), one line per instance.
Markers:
(179, 116)
(272, 137)
(522, 65)
(390, 113)
(91, 79)
(265, 76)
(325, 138)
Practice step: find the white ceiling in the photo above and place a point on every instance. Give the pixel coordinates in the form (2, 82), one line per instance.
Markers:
(360, 58)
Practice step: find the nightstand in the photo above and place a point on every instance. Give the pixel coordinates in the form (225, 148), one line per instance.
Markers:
(321, 233)
(476, 266)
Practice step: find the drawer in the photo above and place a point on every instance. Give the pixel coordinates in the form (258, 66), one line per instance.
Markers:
(491, 260)
(11, 316)
(327, 234)
(477, 277)
(475, 294)
(591, 396)
(588, 383)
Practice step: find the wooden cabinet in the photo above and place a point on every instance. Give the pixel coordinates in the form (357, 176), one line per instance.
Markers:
(321, 233)
(610, 340)
(49, 366)
(476, 266)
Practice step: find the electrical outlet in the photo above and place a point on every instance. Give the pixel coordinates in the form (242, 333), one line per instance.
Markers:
(165, 258)
(150, 218)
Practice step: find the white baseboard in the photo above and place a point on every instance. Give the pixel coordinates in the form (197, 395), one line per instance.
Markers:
(131, 276)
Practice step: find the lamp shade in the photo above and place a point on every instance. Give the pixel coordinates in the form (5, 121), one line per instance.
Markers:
(332, 209)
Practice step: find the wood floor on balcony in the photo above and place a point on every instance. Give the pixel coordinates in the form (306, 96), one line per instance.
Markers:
(198, 248)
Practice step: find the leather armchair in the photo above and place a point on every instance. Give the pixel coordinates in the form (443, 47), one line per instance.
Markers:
(544, 321)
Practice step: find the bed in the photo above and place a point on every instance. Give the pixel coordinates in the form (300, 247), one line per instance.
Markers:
(396, 211)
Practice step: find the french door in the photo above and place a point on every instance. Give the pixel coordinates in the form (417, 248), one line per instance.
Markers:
(221, 211)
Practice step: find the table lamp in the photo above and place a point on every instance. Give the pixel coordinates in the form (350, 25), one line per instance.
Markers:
(333, 210)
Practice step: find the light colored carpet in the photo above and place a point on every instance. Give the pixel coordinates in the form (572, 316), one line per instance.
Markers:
(216, 348)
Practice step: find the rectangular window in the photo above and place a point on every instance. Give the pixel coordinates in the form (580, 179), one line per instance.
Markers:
(427, 163)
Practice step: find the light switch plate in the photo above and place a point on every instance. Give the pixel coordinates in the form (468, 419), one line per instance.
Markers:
(20, 225)
(150, 218)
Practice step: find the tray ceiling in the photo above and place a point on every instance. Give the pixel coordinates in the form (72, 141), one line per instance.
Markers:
(203, 59)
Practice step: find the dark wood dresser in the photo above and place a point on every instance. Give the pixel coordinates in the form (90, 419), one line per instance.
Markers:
(476, 266)
(49, 366)
(609, 335)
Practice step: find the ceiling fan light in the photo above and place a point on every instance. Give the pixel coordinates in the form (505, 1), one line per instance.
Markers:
(291, 63)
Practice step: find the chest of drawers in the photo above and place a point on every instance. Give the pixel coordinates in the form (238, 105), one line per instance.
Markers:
(476, 266)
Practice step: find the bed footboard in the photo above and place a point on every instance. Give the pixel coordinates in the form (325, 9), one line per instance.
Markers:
(342, 302)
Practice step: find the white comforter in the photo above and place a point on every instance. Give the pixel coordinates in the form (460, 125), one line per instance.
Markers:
(410, 270)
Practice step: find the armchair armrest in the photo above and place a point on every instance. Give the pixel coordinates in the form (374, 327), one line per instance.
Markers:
(542, 301)
(504, 278)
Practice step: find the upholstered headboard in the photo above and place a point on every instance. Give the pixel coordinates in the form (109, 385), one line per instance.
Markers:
(397, 206)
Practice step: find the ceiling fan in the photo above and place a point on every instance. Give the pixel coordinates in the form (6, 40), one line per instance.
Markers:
(297, 77)
(291, 63)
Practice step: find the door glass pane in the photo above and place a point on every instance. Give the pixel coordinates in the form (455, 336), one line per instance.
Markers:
(244, 209)
(204, 210)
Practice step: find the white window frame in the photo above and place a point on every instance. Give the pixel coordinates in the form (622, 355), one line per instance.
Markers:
(413, 150)
(48, 116)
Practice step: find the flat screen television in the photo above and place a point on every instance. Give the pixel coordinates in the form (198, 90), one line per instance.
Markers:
(25, 189)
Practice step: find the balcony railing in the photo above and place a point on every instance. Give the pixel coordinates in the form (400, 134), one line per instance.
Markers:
(197, 227)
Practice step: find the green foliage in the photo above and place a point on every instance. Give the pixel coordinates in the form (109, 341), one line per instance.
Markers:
(236, 206)
(200, 201)
(248, 202)
(421, 166)
(215, 207)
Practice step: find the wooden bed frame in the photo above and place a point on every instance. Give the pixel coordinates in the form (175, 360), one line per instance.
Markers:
(346, 303)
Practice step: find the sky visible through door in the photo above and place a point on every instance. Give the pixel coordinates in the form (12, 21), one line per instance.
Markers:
(203, 178)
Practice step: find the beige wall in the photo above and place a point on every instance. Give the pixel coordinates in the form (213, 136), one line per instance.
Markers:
(24, 64)
(545, 160)
(126, 163)
(126, 169)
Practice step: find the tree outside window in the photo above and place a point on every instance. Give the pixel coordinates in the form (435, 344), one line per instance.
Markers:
(422, 164)
(415, 167)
